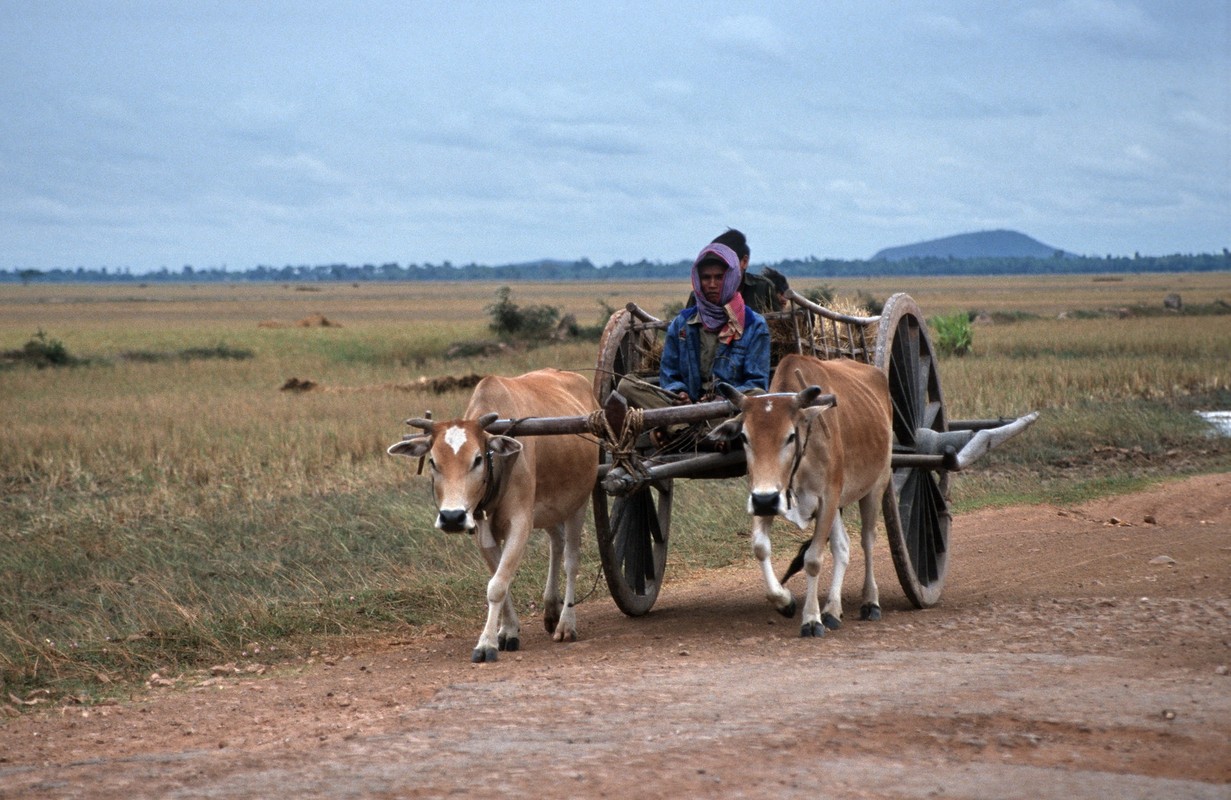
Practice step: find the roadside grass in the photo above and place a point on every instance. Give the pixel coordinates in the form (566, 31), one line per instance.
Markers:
(164, 515)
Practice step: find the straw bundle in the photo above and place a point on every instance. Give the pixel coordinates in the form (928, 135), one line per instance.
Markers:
(825, 338)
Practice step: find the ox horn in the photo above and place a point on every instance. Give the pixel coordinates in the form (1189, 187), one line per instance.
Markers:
(734, 396)
(487, 419)
(423, 423)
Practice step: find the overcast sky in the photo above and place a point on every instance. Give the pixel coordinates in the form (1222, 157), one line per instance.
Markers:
(152, 134)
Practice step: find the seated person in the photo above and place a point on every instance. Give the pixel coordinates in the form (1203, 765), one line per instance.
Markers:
(779, 282)
(719, 339)
(761, 293)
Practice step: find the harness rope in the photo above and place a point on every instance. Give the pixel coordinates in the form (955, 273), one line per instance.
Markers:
(621, 444)
(593, 586)
(801, 444)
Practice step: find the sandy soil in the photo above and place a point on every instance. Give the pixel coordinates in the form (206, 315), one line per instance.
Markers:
(1077, 652)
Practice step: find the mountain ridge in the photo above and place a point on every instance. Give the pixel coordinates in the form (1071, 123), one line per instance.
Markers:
(980, 244)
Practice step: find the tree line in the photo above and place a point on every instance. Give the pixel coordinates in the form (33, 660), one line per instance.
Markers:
(584, 270)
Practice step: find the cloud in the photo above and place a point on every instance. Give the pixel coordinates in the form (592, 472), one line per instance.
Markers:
(301, 167)
(481, 133)
(592, 138)
(950, 28)
(1119, 28)
(748, 35)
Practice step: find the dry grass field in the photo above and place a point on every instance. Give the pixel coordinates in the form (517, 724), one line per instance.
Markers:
(165, 503)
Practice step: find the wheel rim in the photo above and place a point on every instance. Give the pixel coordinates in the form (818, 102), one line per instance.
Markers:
(913, 383)
(916, 508)
(633, 531)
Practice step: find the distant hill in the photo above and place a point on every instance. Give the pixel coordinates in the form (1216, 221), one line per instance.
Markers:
(984, 244)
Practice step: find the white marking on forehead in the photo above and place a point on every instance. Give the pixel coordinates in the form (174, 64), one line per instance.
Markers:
(455, 437)
(769, 406)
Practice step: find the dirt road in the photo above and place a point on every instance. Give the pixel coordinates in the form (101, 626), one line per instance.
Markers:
(1077, 652)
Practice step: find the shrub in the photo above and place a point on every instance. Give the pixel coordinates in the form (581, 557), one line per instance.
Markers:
(220, 350)
(822, 295)
(510, 320)
(42, 352)
(874, 306)
(670, 310)
(953, 334)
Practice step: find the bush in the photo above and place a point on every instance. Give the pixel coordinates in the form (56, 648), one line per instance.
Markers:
(874, 306)
(512, 321)
(42, 352)
(952, 334)
(822, 295)
(671, 310)
(220, 350)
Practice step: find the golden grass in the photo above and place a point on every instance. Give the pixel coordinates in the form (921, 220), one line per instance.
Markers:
(1049, 364)
(195, 500)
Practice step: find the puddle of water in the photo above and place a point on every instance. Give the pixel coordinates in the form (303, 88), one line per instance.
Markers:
(1221, 420)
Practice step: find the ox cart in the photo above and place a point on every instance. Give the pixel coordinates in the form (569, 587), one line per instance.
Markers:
(632, 499)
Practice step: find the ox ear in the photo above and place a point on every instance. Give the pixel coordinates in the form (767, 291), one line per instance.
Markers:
(734, 396)
(811, 397)
(807, 396)
(728, 431)
(487, 419)
(504, 450)
(414, 447)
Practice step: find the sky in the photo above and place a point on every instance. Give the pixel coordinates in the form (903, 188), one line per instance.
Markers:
(145, 135)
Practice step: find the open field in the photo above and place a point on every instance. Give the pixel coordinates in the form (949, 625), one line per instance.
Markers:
(162, 510)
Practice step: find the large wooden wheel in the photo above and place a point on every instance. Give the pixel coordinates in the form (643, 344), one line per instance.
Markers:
(632, 531)
(916, 503)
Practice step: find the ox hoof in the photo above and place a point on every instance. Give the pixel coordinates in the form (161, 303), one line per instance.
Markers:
(510, 644)
(811, 630)
(565, 636)
(551, 615)
(483, 655)
(870, 612)
(830, 621)
(788, 610)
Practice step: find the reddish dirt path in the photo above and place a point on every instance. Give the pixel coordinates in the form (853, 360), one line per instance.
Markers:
(1071, 656)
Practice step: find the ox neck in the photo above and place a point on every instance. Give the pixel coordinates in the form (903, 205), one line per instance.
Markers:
(801, 446)
(492, 487)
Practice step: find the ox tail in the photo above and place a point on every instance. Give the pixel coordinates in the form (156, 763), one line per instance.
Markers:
(797, 563)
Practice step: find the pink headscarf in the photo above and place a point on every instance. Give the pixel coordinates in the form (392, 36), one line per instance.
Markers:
(726, 317)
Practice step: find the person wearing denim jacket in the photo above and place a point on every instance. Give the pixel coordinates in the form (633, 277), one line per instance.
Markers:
(743, 363)
(719, 335)
(719, 339)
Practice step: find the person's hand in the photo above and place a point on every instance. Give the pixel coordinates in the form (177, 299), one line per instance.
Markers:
(681, 399)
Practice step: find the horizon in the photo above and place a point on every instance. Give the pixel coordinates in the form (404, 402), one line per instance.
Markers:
(448, 264)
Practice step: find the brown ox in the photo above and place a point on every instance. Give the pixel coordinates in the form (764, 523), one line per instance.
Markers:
(808, 458)
(504, 487)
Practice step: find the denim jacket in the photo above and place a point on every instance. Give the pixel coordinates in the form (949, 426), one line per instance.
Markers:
(744, 363)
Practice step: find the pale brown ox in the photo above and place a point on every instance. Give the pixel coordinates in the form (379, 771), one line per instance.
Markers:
(502, 488)
(806, 461)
